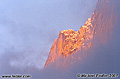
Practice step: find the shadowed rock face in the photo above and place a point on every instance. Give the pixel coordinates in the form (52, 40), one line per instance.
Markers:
(70, 45)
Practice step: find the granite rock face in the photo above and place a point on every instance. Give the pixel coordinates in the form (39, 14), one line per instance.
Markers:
(70, 46)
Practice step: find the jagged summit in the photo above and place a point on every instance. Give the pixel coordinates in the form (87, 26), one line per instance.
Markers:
(70, 41)
(70, 44)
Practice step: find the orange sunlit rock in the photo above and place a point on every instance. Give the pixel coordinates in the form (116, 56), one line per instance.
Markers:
(71, 45)
(70, 41)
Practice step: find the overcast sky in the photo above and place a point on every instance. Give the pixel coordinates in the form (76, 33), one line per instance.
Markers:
(29, 27)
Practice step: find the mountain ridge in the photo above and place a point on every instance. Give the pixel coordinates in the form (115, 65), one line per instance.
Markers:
(71, 43)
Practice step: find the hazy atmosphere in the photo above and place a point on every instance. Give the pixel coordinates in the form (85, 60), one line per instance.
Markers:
(29, 27)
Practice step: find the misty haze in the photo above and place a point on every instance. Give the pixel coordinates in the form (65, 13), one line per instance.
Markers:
(59, 39)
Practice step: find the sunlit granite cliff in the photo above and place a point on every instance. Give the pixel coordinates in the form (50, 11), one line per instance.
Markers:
(71, 45)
